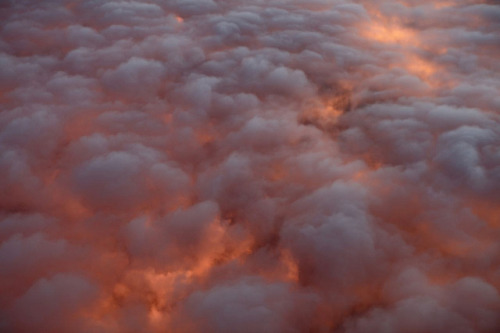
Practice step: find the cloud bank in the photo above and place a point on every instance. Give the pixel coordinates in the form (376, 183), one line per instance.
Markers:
(250, 166)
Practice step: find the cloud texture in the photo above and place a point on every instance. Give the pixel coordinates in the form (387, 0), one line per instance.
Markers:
(250, 166)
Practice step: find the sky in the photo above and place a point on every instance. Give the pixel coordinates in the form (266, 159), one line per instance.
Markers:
(250, 166)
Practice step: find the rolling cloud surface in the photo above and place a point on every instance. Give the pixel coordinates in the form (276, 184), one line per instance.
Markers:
(223, 166)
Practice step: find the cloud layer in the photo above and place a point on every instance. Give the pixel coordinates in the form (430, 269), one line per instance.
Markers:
(250, 166)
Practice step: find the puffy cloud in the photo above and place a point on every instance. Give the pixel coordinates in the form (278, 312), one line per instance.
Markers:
(52, 304)
(249, 166)
(250, 305)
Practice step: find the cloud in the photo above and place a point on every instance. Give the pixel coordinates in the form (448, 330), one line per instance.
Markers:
(249, 166)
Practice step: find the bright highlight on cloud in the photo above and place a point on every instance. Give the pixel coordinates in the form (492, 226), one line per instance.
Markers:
(250, 166)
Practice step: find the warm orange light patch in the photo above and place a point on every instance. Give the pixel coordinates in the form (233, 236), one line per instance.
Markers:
(487, 211)
(328, 109)
(389, 33)
(167, 118)
(75, 208)
(162, 287)
(277, 172)
(441, 278)
(360, 175)
(204, 136)
(165, 285)
(179, 19)
(420, 67)
(292, 269)
(443, 4)
(393, 34)
(161, 290)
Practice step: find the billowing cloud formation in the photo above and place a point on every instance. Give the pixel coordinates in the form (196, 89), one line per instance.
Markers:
(250, 166)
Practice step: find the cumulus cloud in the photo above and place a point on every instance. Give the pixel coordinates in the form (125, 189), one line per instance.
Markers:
(250, 166)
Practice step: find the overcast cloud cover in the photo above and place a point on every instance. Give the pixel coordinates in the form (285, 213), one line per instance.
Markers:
(250, 166)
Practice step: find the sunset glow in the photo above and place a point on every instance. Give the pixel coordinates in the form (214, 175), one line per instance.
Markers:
(216, 166)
